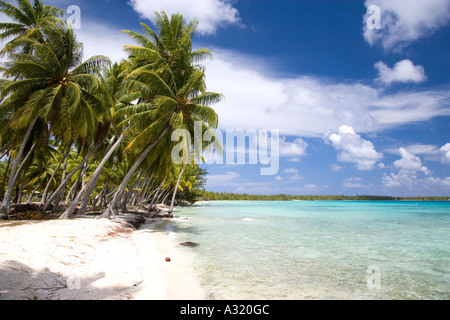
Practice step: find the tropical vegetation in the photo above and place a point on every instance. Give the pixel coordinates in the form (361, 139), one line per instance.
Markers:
(223, 196)
(79, 134)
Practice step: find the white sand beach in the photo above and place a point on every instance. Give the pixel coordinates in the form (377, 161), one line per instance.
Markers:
(93, 259)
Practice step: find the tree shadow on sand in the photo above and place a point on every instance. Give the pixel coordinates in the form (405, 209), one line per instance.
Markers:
(19, 282)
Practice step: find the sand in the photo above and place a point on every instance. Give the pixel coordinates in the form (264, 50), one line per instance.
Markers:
(94, 259)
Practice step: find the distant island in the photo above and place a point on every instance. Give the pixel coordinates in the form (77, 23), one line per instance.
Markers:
(221, 196)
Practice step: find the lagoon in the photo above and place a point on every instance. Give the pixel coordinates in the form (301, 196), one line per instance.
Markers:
(319, 249)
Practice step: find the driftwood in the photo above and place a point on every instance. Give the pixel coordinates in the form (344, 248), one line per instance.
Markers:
(189, 244)
(135, 220)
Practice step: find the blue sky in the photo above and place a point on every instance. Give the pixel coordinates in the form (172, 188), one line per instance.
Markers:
(359, 110)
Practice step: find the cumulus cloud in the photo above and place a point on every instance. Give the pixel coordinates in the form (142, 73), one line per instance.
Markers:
(414, 182)
(408, 161)
(403, 22)
(403, 71)
(413, 177)
(210, 13)
(354, 149)
(295, 149)
(445, 150)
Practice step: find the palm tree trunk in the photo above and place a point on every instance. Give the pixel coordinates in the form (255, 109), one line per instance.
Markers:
(135, 196)
(130, 192)
(7, 199)
(163, 195)
(5, 147)
(141, 201)
(90, 185)
(165, 198)
(22, 165)
(113, 207)
(19, 197)
(2, 189)
(156, 195)
(61, 193)
(75, 186)
(74, 171)
(66, 202)
(44, 195)
(96, 175)
(30, 198)
(175, 193)
(100, 196)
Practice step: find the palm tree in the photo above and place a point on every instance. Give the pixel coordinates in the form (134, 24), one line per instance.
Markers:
(173, 92)
(175, 191)
(52, 84)
(27, 22)
(111, 80)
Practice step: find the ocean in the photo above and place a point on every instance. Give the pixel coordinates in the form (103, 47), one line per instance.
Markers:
(292, 250)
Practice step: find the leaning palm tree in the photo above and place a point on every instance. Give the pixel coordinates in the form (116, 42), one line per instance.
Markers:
(173, 92)
(52, 84)
(111, 79)
(27, 21)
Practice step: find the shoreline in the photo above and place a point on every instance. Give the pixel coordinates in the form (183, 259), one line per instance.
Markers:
(94, 259)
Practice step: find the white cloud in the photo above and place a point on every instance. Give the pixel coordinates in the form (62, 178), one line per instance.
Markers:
(312, 187)
(429, 152)
(296, 148)
(413, 177)
(445, 150)
(414, 182)
(101, 39)
(422, 149)
(335, 167)
(229, 178)
(403, 71)
(306, 106)
(354, 149)
(354, 183)
(403, 22)
(408, 161)
(294, 175)
(210, 13)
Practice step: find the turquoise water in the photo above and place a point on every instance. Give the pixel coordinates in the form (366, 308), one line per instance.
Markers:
(320, 250)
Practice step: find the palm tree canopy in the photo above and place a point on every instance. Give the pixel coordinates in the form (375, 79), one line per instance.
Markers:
(172, 85)
(26, 22)
(53, 83)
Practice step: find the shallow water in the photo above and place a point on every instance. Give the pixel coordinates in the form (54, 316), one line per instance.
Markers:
(320, 250)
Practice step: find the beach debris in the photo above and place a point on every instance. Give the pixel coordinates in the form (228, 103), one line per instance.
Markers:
(30, 215)
(167, 259)
(189, 244)
(135, 220)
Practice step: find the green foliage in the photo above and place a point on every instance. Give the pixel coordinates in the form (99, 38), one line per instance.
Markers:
(220, 196)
